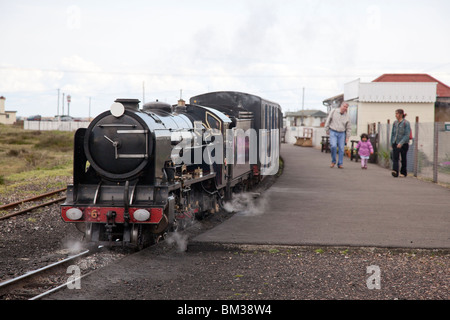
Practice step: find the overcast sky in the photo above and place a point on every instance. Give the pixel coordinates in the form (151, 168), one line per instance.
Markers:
(103, 50)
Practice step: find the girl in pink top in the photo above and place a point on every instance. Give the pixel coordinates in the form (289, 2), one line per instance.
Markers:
(365, 150)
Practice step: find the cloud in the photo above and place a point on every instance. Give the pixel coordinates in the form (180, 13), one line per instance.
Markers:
(270, 48)
(14, 79)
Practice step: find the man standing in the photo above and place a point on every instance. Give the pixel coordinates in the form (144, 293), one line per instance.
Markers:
(339, 129)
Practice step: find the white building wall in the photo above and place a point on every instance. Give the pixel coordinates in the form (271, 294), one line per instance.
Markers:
(377, 102)
(420, 92)
(6, 117)
(9, 118)
(351, 90)
(380, 112)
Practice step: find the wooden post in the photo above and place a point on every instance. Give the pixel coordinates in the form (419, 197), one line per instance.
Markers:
(435, 152)
(416, 147)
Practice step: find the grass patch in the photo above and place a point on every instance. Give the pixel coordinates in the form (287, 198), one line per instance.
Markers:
(39, 157)
(57, 141)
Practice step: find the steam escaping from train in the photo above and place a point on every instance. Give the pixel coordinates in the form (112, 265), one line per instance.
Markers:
(73, 246)
(181, 240)
(247, 204)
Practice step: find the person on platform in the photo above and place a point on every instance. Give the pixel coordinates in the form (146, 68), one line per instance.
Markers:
(338, 128)
(365, 149)
(400, 136)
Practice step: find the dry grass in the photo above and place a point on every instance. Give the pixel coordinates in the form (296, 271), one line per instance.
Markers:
(33, 156)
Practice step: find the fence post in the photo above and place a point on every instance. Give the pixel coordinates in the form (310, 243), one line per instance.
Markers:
(388, 134)
(416, 147)
(435, 152)
(378, 132)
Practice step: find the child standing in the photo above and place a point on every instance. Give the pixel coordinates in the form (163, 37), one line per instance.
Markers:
(365, 150)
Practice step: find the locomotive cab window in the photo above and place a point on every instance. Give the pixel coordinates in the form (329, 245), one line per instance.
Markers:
(212, 121)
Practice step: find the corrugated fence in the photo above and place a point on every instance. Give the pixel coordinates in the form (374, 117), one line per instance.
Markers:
(54, 125)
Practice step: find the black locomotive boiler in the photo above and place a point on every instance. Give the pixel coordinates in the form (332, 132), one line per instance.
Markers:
(139, 173)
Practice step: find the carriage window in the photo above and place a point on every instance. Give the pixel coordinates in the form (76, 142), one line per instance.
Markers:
(269, 122)
(276, 118)
(272, 116)
(266, 117)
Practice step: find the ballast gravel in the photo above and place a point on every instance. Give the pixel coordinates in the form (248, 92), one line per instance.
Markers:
(177, 270)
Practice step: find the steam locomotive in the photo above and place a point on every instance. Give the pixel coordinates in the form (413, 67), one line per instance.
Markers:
(140, 173)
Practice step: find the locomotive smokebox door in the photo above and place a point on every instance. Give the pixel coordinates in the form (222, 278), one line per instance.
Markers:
(118, 144)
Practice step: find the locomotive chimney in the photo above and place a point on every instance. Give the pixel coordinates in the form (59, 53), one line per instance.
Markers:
(130, 104)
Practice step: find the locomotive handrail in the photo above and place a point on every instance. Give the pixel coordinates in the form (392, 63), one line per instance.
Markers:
(97, 191)
(116, 125)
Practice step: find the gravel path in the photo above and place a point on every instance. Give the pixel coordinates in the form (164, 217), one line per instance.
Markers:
(240, 272)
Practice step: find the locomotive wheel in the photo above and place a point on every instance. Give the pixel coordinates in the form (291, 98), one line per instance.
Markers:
(91, 235)
(143, 236)
(140, 237)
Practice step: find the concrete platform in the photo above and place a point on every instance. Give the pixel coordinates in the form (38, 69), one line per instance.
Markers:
(313, 204)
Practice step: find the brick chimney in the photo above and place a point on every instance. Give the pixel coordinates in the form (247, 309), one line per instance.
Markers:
(2, 104)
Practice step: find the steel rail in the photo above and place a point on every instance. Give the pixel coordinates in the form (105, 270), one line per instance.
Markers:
(32, 208)
(15, 204)
(37, 271)
(46, 293)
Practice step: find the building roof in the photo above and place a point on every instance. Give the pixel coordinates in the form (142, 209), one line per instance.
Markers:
(442, 89)
(339, 97)
(306, 113)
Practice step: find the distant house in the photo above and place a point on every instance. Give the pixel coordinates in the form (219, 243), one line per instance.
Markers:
(6, 117)
(307, 118)
(442, 105)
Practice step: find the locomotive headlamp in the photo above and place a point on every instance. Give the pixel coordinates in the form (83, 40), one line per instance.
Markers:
(141, 215)
(117, 109)
(74, 214)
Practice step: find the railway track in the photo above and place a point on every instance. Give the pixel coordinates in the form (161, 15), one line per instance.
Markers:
(66, 273)
(38, 283)
(8, 208)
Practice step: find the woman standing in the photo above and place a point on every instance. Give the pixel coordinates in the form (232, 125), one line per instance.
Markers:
(400, 142)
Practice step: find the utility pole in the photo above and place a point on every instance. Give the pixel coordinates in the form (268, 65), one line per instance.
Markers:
(303, 105)
(143, 92)
(57, 107)
(69, 98)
